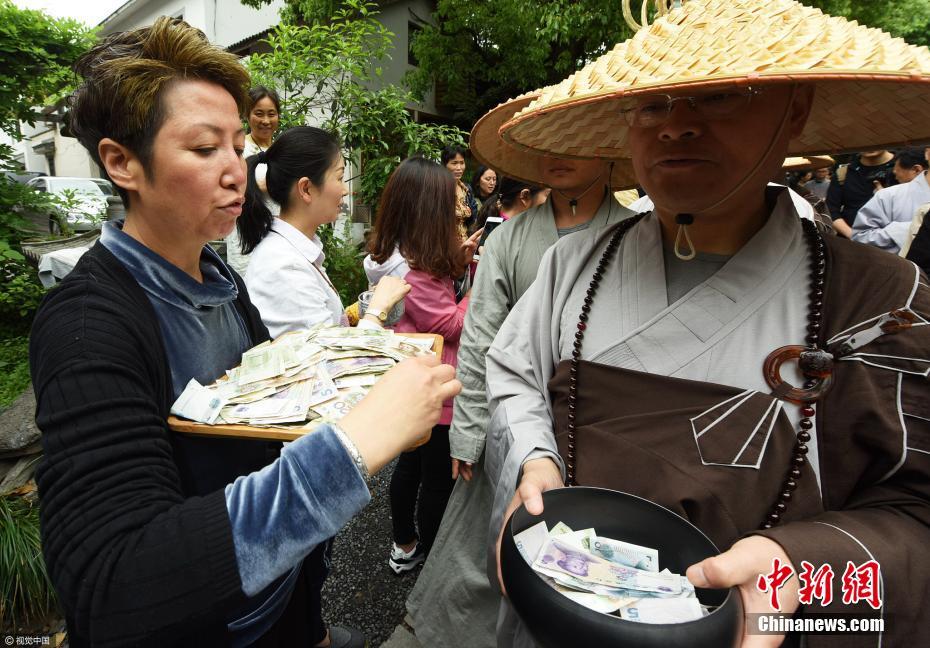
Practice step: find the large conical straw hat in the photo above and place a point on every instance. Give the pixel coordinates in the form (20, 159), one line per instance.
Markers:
(872, 91)
(487, 146)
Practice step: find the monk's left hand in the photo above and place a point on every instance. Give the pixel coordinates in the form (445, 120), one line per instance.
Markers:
(740, 567)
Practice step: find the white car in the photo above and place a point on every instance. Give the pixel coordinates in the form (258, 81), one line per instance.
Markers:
(88, 207)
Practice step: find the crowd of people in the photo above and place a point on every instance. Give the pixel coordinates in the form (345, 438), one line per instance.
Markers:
(587, 338)
(852, 195)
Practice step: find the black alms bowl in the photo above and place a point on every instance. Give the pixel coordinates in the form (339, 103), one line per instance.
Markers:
(556, 621)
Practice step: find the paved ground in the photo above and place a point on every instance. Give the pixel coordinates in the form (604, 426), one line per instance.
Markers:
(361, 590)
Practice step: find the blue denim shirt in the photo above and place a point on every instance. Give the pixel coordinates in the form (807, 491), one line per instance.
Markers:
(280, 513)
(203, 333)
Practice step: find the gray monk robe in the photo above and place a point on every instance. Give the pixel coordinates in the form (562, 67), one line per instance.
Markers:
(672, 404)
(453, 604)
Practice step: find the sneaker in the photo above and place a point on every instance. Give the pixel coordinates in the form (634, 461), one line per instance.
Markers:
(402, 561)
(345, 637)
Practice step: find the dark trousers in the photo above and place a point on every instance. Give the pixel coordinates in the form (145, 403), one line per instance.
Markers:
(424, 473)
(301, 623)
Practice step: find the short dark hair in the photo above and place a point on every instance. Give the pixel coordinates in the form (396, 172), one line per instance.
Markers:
(417, 215)
(259, 92)
(449, 153)
(300, 152)
(125, 78)
(911, 156)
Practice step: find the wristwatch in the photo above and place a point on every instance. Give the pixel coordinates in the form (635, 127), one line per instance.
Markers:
(381, 315)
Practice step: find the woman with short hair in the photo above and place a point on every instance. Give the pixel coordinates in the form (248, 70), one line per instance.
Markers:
(152, 537)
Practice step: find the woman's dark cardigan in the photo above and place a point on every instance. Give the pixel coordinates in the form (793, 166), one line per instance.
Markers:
(139, 548)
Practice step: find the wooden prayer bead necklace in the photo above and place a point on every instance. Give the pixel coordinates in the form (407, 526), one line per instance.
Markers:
(815, 363)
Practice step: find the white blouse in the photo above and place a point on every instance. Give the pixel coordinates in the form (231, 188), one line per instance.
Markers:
(288, 283)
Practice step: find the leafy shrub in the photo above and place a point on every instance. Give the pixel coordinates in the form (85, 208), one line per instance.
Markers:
(20, 294)
(26, 593)
(343, 262)
(14, 369)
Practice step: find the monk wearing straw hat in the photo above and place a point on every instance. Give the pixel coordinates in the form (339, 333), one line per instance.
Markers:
(718, 355)
(445, 610)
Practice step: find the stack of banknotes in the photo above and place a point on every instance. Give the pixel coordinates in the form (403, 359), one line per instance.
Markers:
(300, 379)
(609, 576)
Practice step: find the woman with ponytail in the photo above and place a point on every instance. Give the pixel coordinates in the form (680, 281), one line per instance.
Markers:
(513, 197)
(286, 278)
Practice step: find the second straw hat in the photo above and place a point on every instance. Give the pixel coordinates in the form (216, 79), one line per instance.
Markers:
(518, 163)
(871, 90)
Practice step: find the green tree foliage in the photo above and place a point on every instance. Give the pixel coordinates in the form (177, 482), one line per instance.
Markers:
(479, 54)
(907, 19)
(36, 53)
(325, 61)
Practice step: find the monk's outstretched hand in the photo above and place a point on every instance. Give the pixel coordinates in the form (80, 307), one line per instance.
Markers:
(741, 567)
(539, 475)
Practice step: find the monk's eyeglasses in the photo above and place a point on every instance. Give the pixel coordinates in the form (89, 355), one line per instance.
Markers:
(648, 111)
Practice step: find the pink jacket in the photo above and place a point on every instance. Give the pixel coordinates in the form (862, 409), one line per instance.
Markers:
(430, 307)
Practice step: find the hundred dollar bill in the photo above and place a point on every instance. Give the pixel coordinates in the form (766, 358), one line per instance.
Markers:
(625, 553)
(198, 403)
(562, 557)
(660, 610)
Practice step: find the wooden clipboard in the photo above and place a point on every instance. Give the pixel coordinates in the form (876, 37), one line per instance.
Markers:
(249, 432)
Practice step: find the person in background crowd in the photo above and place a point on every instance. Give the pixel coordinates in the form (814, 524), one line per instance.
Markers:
(512, 198)
(263, 118)
(150, 537)
(417, 218)
(885, 219)
(917, 246)
(909, 163)
(855, 183)
(515, 197)
(304, 175)
(286, 277)
(466, 209)
(820, 183)
(447, 609)
(483, 185)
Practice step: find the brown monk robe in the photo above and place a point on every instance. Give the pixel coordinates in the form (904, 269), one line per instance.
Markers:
(719, 455)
